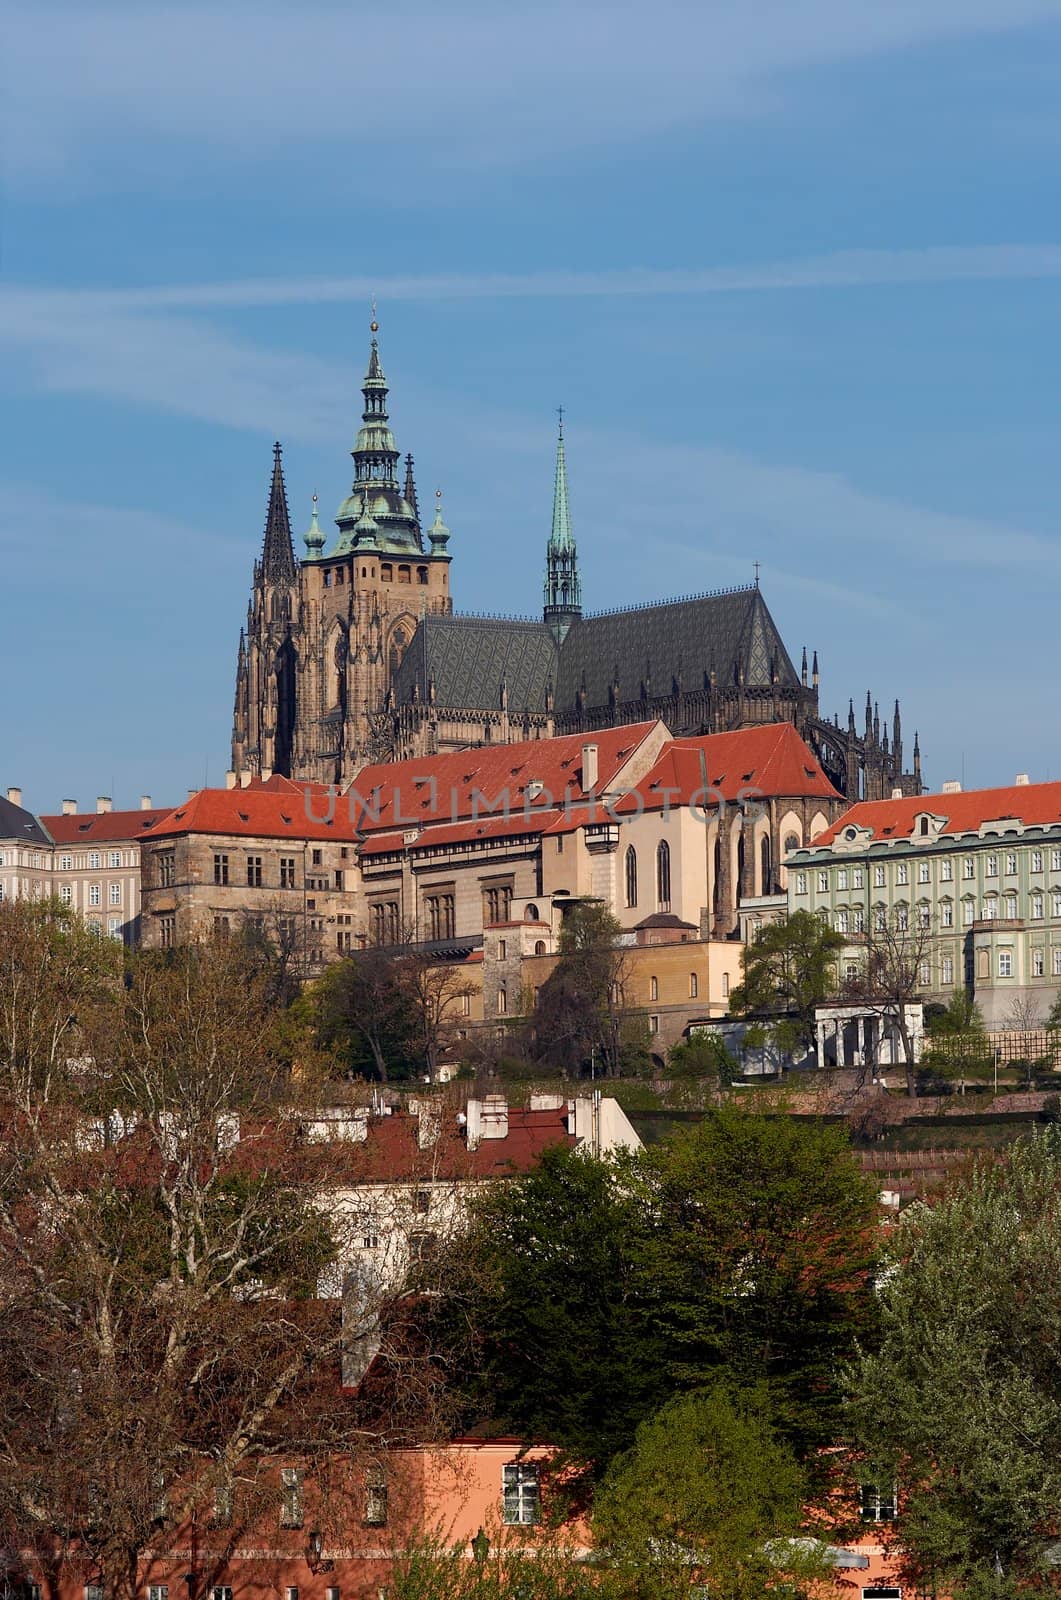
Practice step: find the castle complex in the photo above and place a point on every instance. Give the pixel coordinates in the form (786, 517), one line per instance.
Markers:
(354, 653)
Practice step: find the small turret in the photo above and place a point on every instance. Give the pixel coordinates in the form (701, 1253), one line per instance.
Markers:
(439, 533)
(803, 668)
(917, 760)
(313, 538)
(814, 671)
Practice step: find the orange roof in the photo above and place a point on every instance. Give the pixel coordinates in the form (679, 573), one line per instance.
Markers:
(487, 827)
(487, 792)
(466, 783)
(755, 762)
(102, 827)
(260, 811)
(1033, 804)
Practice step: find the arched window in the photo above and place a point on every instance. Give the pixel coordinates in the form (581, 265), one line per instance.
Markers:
(653, 988)
(791, 842)
(404, 575)
(663, 875)
(421, 574)
(631, 876)
(764, 861)
(531, 914)
(539, 947)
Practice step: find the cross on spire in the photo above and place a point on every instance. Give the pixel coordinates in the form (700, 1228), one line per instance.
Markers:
(756, 565)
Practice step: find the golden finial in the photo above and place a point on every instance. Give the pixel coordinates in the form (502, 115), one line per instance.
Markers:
(374, 325)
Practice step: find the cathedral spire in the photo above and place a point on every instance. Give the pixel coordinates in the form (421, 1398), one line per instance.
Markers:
(278, 555)
(376, 514)
(560, 537)
(563, 587)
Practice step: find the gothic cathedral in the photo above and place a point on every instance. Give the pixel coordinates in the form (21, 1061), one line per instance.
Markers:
(353, 653)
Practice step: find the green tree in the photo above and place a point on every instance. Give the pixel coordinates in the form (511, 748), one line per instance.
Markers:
(595, 1290)
(708, 1491)
(957, 1037)
(789, 967)
(500, 1569)
(962, 1399)
(704, 1055)
(546, 1283)
(758, 1261)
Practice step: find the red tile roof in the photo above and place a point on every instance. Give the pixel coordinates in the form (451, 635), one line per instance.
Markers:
(1033, 804)
(771, 760)
(469, 782)
(464, 795)
(266, 811)
(103, 827)
(391, 1153)
(488, 827)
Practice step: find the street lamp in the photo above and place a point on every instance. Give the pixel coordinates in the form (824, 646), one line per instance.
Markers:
(480, 1546)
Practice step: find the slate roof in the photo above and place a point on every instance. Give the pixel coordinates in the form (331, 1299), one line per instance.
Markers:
(648, 648)
(659, 644)
(18, 823)
(469, 658)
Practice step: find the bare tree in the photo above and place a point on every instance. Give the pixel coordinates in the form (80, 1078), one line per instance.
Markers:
(364, 1007)
(891, 976)
(437, 991)
(164, 1228)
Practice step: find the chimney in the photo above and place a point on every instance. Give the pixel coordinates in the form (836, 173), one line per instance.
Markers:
(428, 1126)
(69, 808)
(267, 773)
(103, 804)
(145, 802)
(897, 794)
(589, 767)
(192, 793)
(14, 795)
(494, 1117)
(1022, 780)
(952, 786)
(230, 779)
(244, 779)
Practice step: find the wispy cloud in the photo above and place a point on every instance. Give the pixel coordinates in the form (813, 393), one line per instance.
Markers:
(840, 269)
(182, 363)
(470, 83)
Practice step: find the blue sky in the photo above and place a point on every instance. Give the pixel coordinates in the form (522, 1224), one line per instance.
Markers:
(793, 268)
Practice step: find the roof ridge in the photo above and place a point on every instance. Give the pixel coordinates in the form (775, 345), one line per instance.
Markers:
(671, 600)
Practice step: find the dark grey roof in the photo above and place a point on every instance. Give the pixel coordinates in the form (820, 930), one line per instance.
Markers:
(672, 641)
(651, 648)
(18, 823)
(469, 658)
